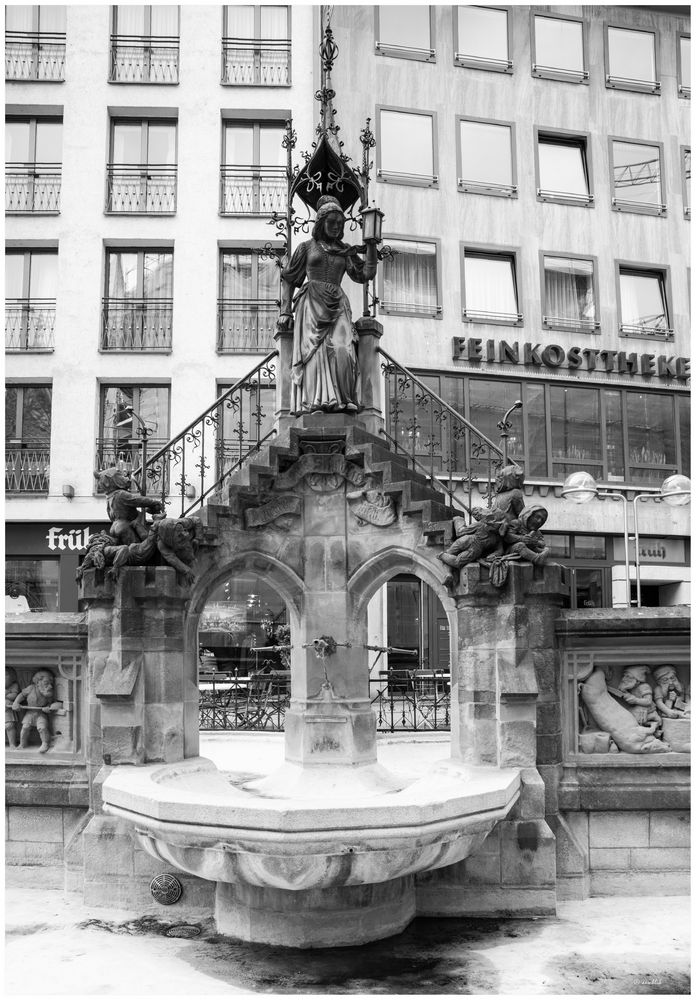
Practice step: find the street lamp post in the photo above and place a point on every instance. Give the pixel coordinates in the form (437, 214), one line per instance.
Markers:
(675, 491)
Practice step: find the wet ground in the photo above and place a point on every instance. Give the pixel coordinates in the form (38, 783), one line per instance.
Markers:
(56, 946)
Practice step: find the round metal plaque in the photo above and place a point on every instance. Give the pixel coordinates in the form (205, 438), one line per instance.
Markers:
(183, 931)
(166, 889)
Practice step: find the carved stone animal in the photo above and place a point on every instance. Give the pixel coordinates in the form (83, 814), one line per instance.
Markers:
(616, 720)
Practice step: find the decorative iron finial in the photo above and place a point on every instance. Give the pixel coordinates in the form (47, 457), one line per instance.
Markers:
(328, 50)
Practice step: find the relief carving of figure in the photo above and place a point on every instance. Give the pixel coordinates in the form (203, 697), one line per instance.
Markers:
(611, 717)
(40, 704)
(325, 359)
(638, 695)
(669, 693)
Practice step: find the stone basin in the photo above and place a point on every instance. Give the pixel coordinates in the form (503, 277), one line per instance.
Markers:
(286, 843)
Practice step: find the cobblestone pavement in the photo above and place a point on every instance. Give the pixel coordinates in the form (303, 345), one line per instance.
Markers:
(55, 946)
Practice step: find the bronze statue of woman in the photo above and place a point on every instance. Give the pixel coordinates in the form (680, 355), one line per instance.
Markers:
(325, 361)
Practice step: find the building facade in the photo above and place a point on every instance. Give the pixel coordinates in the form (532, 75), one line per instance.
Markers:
(533, 166)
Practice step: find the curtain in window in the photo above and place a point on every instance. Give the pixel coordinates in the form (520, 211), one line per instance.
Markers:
(51, 18)
(130, 19)
(274, 22)
(164, 21)
(490, 285)
(43, 277)
(410, 277)
(19, 17)
(14, 275)
(568, 288)
(236, 276)
(239, 21)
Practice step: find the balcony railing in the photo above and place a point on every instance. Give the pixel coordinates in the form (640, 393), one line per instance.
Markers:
(125, 455)
(260, 62)
(252, 190)
(29, 324)
(138, 59)
(31, 55)
(136, 325)
(27, 466)
(32, 187)
(141, 189)
(246, 325)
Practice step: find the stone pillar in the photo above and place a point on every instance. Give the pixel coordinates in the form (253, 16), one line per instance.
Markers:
(506, 713)
(370, 332)
(283, 341)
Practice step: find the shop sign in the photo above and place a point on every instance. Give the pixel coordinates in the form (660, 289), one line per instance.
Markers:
(553, 356)
(652, 550)
(76, 539)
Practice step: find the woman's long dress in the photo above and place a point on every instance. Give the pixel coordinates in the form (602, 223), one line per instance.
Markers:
(325, 360)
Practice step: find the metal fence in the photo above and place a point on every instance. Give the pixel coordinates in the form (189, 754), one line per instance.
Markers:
(136, 325)
(32, 187)
(246, 325)
(253, 190)
(27, 467)
(30, 324)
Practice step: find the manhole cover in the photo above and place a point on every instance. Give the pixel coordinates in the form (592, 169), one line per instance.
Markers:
(182, 931)
(166, 889)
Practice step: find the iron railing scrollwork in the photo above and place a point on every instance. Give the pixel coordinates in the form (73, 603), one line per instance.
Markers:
(136, 324)
(124, 455)
(438, 440)
(32, 187)
(263, 62)
(141, 189)
(141, 59)
(194, 464)
(30, 324)
(35, 55)
(252, 190)
(246, 325)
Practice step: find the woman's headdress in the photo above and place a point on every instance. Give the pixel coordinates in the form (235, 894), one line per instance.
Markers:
(327, 204)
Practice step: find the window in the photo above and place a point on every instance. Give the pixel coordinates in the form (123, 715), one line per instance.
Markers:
(490, 292)
(486, 158)
(563, 172)
(686, 180)
(253, 175)
(406, 145)
(137, 305)
(31, 585)
(558, 49)
(651, 437)
(643, 299)
(256, 45)
(569, 300)
(684, 65)
(248, 306)
(145, 44)
(409, 279)
(631, 60)
(405, 31)
(575, 431)
(120, 442)
(585, 556)
(141, 175)
(27, 438)
(482, 38)
(33, 154)
(637, 177)
(35, 42)
(31, 281)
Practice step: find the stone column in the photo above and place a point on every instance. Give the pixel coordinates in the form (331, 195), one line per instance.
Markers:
(506, 713)
(283, 342)
(370, 332)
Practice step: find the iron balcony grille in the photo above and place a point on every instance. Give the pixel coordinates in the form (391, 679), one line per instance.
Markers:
(140, 59)
(246, 325)
(261, 62)
(252, 190)
(570, 324)
(141, 189)
(31, 55)
(30, 324)
(32, 187)
(136, 324)
(27, 466)
(126, 455)
(411, 700)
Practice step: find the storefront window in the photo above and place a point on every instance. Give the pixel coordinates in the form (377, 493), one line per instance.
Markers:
(651, 444)
(575, 431)
(590, 547)
(589, 589)
(615, 441)
(31, 585)
(242, 615)
(685, 434)
(488, 402)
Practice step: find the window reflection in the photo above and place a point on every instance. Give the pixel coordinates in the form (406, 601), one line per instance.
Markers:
(569, 292)
(31, 585)
(482, 33)
(637, 175)
(406, 144)
(563, 166)
(631, 54)
(651, 443)
(643, 302)
(575, 431)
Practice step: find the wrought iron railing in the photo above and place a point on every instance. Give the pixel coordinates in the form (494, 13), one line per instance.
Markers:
(197, 461)
(261, 62)
(32, 187)
(140, 59)
(125, 455)
(241, 699)
(136, 325)
(30, 324)
(411, 700)
(440, 442)
(27, 466)
(246, 325)
(253, 190)
(139, 189)
(32, 55)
